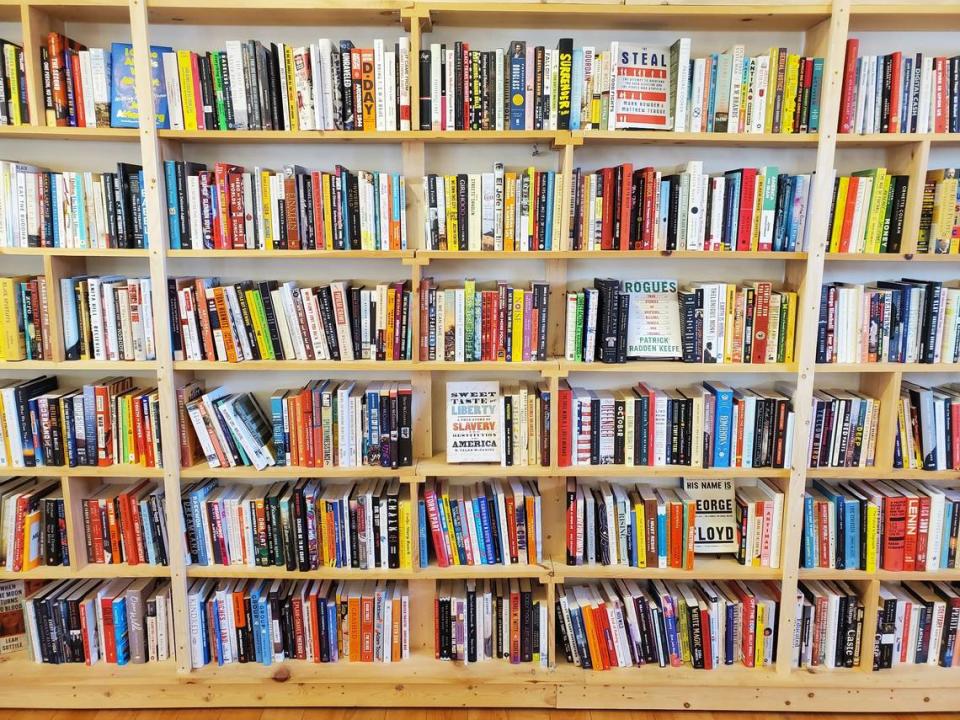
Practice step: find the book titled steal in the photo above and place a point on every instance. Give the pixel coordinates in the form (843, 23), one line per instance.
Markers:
(641, 78)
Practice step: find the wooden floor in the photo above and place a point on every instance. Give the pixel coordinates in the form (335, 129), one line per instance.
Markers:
(432, 714)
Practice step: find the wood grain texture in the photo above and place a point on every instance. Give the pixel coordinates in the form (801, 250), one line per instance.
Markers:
(440, 714)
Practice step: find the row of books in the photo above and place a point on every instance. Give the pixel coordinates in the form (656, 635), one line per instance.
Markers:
(268, 621)
(44, 208)
(702, 624)
(629, 86)
(507, 424)
(33, 525)
(252, 85)
(622, 208)
(506, 210)
(232, 208)
(906, 321)
(830, 624)
(700, 426)
(928, 427)
(891, 525)
(939, 218)
(617, 321)
(24, 312)
(301, 525)
(14, 108)
(274, 320)
(327, 423)
(898, 92)
(471, 324)
(126, 523)
(77, 81)
(844, 429)
(868, 212)
(107, 422)
(107, 317)
(497, 522)
(117, 622)
(491, 619)
(917, 625)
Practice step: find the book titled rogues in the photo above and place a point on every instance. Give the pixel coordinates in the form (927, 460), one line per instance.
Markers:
(472, 422)
(653, 329)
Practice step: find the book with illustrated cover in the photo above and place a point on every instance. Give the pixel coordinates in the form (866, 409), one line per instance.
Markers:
(123, 91)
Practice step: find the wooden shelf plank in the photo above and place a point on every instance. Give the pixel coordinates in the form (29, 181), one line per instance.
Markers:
(615, 255)
(708, 567)
(887, 367)
(42, 132)
(77, 252)
(893, 257)
(119, 366)
(109, 471)
(292, 254)
(660, 137)
(296, 365)
(203, 470)
(641, 366)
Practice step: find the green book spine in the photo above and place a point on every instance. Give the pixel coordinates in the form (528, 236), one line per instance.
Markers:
(469, 291)
(262, 319)
(578, 349)
(218, 91)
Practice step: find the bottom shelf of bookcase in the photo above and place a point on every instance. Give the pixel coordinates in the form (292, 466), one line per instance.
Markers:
(422, 681)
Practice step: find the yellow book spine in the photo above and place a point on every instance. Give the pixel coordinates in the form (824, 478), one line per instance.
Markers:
(509, 210)
(31, 540)
(641, 534)
(878, 206)
(516, 354)
(873, 536)
(758, 635)
(266, 209)
(130, 451)
(185, 66)
(951, 218)
(771, 90)
(293, 120)
(453, 227)
(731, 290)
(839, 208)
(406, 535)
(6, 434)
(790, 92)
(790, 340)
(454, 555)
(10, 56)
(327, 212)
(15, 347)
(257, 327)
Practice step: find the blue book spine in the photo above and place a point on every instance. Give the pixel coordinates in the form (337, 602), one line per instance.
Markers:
(458, 531)
(403, 204)
(723, 418)
(793, 219)
(372, 440)
(89, 421)
(337, 532)
(906, 92)
(333, 637)
(394, 208)
(217, 638)
(265, 626)
(199, 523)
(518, 81)
(143, 211)
(279, 437)
(81, 224)
(576, 91)
(733, 192)
(492, 558)
(55, 203)
(478, 528)
(422, 532)
(173, 206)
(21, 290)
(661, 534)
(809, 538)
(712, 96)
(121, 635)
(477, 323)
(852, 534)
(255, 622)
(948, 511)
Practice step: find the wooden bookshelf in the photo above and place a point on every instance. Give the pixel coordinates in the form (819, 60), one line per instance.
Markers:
(822, 28)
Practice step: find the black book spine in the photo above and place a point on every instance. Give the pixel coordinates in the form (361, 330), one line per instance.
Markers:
(325, 303)
(538, 70)
(354, 320)
(508, 429)
(353, 207)
(526, 626)
(206, 91)
(623, 311)
(227, 91)
(425, 109)
(457, 85)
(265, 288)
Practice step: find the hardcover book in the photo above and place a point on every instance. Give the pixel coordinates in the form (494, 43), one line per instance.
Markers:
(473, 428)
(654, 325)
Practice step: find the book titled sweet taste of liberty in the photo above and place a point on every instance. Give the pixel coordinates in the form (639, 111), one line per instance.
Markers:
(124, 112)
(473, 432)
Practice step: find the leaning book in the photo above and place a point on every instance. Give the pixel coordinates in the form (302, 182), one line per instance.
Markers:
(12, 626)
(653, 328)
(641, 88)
(473, 428)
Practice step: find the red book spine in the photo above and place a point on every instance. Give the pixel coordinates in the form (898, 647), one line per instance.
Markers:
(433, 517)
(823, 523)
(894, 529)
(847, 227)
(564, 429)
(761, 322)
(317, 428)
(316, 182)
(74, 59)
(366, 629)
(649, 209)
(606, 227)
(19, 520)
(109, 640)
(238, 235)
(511, 509)
(626, 185)
(691, 535)
(707, 640)
(910, 537)
(514, 627)
(848, 107)
(896, 70)
(748, 187)
(197, 92)
(923, 529)
(96, 531)
(501, 307)
(306, 419)
(104, 425)
(940, 95)
(608, 649)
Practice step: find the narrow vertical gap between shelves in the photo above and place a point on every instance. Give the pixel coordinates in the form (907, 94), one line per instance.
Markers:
(884, 387)
(828, 40)
(54, 269)
(36, 24)
(912, 159)
(151, 161)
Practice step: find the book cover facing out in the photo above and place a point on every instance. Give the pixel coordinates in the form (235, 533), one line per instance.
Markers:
(473, 428)
(124, 112)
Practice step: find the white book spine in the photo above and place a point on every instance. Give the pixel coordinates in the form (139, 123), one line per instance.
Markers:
(380, 85)
(404, 83)
(238, 94)
(390, 89)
